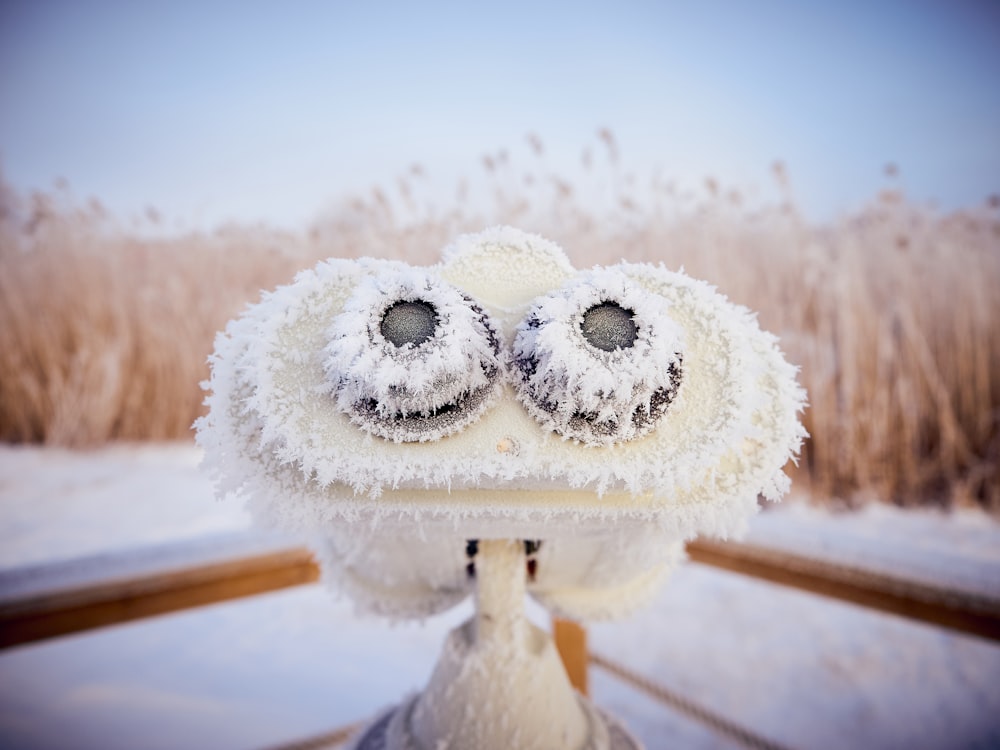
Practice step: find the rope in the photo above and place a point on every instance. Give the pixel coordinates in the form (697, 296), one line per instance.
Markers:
(326, 741)
(669, 697)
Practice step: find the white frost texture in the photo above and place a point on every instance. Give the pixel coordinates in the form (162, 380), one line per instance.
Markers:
(603, 393)
(397, 412)
(438, 380)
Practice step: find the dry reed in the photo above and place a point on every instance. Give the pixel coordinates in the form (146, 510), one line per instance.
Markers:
(892, 313)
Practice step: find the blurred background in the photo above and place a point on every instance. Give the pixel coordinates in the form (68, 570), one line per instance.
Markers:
(834, 166)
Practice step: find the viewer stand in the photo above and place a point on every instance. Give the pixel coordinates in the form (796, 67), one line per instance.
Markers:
(499, 682)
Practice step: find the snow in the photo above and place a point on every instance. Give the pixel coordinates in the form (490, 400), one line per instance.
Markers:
(251, 674)
(61, 504)
(796, 668)
(808, 672)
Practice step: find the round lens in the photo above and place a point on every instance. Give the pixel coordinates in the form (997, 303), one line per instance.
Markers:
(609, 326)
(409, 323)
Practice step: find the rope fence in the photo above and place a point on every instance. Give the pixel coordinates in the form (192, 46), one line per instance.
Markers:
(57, 599)
(684, 705)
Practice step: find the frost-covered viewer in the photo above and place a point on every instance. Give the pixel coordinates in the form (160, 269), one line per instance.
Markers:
(399, 411)
(406, 416)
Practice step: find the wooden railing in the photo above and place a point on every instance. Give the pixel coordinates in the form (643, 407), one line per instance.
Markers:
(932, 603)
(60, 598)
(67, 597)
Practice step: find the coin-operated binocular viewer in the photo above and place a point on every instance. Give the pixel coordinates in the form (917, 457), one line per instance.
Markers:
(495, 425)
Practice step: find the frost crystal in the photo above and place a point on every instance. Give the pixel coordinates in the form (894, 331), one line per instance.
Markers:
(599, 359)
(411, 358)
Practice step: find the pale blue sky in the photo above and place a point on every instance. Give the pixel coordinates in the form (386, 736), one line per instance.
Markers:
(273, 110)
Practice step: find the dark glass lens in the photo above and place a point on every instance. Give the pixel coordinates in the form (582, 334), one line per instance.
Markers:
(608, 326)
(409, 323)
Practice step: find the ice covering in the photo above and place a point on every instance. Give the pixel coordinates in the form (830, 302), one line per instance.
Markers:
(598, 360)
(611, 413)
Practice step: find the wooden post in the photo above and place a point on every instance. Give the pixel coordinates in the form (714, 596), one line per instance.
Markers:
(571, 642)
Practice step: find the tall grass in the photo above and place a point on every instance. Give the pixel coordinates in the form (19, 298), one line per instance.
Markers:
(892, 313)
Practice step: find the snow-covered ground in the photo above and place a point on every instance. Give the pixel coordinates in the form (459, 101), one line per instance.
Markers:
(799, 669)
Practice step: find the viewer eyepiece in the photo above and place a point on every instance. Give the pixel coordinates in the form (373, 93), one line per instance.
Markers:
(609, 326)
(409, 323)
